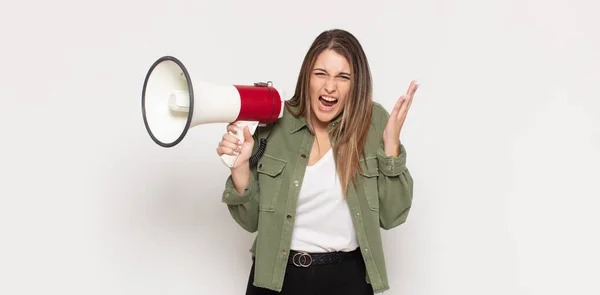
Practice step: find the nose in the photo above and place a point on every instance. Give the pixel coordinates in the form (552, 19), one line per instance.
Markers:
(330, 85)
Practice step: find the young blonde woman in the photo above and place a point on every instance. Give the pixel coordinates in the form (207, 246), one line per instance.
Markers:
(333, 174)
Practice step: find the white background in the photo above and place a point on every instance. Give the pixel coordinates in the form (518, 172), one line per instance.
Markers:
(503, 141)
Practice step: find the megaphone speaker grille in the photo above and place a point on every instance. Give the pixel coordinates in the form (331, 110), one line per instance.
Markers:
(167, 101)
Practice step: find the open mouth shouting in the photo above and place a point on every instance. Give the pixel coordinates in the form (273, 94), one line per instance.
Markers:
(327, 103)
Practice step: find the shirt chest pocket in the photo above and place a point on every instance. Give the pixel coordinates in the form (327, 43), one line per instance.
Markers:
(270, 176)
(370, 172)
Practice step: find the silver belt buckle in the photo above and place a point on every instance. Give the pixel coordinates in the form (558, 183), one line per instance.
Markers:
(304, 259)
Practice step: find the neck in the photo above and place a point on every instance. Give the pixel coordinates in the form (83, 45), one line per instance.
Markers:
(317, 126)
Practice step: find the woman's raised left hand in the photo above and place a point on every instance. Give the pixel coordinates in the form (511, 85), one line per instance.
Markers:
(391, 133)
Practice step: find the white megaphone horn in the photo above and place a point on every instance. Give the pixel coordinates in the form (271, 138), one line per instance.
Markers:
(172, 104)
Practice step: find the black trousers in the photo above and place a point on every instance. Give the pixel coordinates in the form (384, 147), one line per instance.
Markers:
(347, 278)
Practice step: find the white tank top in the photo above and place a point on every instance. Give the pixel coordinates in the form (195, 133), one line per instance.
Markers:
(323, 221)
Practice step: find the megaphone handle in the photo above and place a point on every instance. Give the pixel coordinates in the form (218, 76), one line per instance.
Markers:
(229, 160)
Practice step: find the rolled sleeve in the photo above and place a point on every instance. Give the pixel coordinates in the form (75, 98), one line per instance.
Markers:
(232, 197)
(389, 165)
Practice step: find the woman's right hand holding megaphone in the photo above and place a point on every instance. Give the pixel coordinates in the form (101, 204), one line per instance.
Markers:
(231, 145)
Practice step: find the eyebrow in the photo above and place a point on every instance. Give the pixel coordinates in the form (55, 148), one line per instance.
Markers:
(341, 73)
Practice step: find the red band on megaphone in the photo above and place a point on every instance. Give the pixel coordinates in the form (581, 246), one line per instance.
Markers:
(259, 103)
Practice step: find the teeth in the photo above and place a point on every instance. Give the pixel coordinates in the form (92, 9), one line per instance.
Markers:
(328, 98)
(322, 106)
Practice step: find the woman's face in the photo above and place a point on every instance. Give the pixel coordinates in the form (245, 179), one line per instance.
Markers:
(330, 82)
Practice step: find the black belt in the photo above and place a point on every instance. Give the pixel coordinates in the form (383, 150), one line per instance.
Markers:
(304, 259)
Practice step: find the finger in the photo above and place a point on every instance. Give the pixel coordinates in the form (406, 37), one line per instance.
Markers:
(402, 109)
(397, 106)
(231, 138)
(221, 150)
(247, 136)
(231, 145)
(410, 102)
(233, 128)
(416, 86)
(412, 94)
(412, 87)
(409, 96)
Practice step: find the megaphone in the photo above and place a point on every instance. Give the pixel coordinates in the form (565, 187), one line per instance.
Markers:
(172, 104)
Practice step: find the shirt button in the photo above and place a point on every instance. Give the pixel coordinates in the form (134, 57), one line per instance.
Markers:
(289, 217)
(303, 156)
(390, 167)
(296, 183)
(366, 250)
(283, 252)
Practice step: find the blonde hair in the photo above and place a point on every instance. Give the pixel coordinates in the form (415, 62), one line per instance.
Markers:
(350, 135)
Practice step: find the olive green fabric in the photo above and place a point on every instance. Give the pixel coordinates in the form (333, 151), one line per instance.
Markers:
(382, 198)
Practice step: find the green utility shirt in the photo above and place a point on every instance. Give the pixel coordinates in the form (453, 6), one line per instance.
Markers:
(382, 199)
